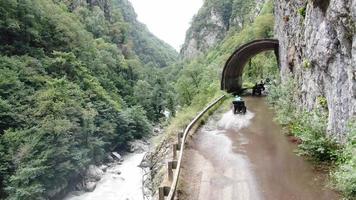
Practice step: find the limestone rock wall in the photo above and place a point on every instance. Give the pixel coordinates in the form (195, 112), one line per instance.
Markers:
(213, 21)
(318, 46)
(198, 41)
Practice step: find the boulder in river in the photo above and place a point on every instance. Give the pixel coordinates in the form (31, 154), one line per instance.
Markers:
(94, 173)
(117, 156)
(138, 146)
(90, 186)
(114, 171)
(103, 168)
(110, 158)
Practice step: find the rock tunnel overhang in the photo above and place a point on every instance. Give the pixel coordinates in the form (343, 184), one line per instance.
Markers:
(231, 80)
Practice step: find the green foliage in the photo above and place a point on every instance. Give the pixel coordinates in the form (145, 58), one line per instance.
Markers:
(263, 26)
(345, 174)
(242, 10)
(154, 95)
(146, 46)
(139, 126)
(281, 97)
(310, 127)
(322, 101)
(261, 67)
(307, 64)
(301, 11)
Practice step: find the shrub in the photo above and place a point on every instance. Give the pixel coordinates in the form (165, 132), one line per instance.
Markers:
(322, 101)
(306, 64)
(281, 98)
(345, 174)
(310, 127)
(302, 12)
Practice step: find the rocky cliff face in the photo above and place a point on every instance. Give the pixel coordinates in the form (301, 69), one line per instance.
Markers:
(198, 41)
(214, 20)
(318, 46)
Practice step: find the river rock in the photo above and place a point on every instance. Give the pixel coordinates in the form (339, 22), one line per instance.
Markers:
(117, 156)
(103, 168)
(145, 163)
(138, 146)
(114, 171)
(90, 186)
(110, 158)
(94, 173)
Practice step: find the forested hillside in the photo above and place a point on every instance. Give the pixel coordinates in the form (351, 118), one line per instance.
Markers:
(77, 79)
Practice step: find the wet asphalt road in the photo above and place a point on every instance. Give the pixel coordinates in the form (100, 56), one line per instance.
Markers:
(242, 157)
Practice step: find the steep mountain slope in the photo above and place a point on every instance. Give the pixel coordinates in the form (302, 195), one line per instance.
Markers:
(73, 85)
(213, 22)
(137, 38)
(148, 47)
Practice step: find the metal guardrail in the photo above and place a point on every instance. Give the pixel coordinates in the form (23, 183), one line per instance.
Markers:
(173, 176)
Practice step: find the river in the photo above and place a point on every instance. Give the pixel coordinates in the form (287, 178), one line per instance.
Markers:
(247, 157)
(126, 186)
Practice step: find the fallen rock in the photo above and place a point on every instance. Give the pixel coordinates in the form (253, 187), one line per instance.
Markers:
(146, 162)
(117, 156)
(90, 186)
(103, 168)
(117, 177)
(110, 158)
(138, 146)
(114, 171)
(94, 173)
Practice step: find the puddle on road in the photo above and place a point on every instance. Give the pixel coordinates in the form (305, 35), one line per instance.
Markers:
(231, 121)
(242, 157)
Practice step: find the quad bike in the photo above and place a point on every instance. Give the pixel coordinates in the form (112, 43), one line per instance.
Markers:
(257, 89)
(239, 107)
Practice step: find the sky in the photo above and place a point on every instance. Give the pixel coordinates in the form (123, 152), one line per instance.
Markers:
(167, 19)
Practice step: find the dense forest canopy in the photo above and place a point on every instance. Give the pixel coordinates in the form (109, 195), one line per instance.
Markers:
(77, 79)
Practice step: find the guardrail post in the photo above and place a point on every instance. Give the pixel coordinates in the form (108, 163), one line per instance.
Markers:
(163, 191)
(180, 136)
(178, 147)
(170, 171)
(171, 165)
(174, 146)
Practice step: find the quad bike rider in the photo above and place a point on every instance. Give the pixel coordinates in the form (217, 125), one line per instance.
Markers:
(239, 105)
(258, 88)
